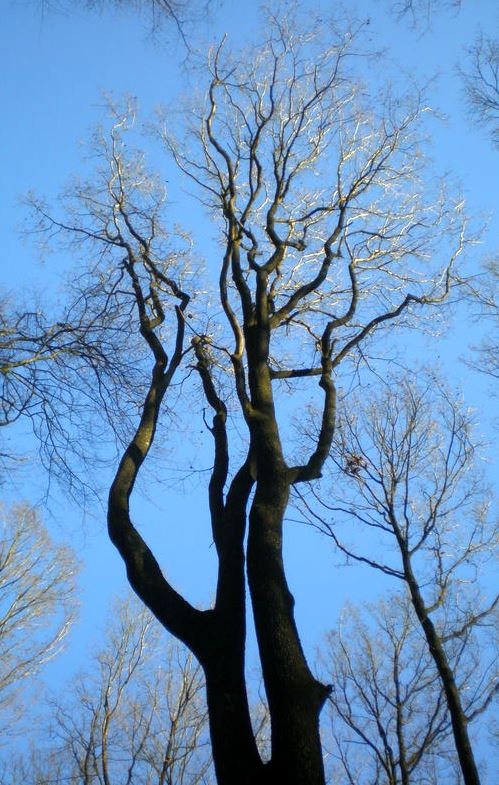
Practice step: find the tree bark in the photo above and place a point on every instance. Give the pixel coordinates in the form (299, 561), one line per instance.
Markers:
(458, 717)
(295, 697)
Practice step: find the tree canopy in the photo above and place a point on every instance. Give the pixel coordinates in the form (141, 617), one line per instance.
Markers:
(335, 243)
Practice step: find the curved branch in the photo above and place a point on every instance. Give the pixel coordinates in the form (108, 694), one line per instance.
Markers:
(221, 465)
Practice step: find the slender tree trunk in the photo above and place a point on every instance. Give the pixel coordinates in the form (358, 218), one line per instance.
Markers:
(458, 718)
(235, 753)
(402, 763)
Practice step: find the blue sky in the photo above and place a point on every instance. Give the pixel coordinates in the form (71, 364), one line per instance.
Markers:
(54, 70)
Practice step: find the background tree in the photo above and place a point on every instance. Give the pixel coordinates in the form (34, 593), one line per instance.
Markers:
(421, 12)
(485, 301)
(37, 603)
(407, 459)
(137, 716)
(159, 13)
(481, 80)
(389, 717)
(328, 236)
(50, 375)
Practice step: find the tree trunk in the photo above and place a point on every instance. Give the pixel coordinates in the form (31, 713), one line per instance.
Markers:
(295, 697)
(458, 718)
(235, 754)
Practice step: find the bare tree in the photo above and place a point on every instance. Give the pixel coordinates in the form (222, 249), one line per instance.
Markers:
(407, 460)
(388, 714)
(159, 13)
(483, 295)
(138, 716)
(37, 601)
(481, 80)
(328, 237)
(51, 373)
(421, 12)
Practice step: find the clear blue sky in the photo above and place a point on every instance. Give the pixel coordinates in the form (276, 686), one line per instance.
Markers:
(54, 69)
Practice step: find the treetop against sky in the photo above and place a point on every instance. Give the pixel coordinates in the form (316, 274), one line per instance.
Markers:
(59, 64)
